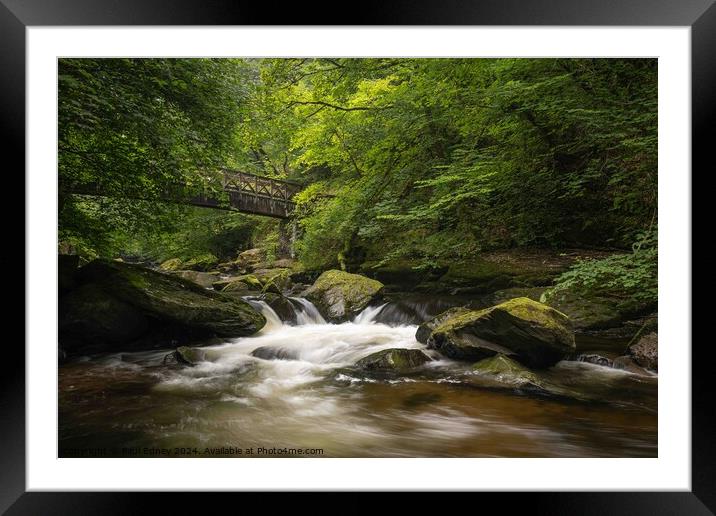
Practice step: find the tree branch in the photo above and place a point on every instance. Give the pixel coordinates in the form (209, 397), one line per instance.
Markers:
(333, 106)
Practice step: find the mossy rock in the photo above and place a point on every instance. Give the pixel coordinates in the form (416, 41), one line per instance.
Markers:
(425, 329)
(203, 279)
(506, 372)
(172, 264)
(91, 317)
(245, 282)
(530, 332)
(394, 359)
(172, 299)
(273, 280)
(340, 296)
(202, 262)
(251, 257)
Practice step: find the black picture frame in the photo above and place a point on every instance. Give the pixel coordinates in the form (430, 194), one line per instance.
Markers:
(17, 15)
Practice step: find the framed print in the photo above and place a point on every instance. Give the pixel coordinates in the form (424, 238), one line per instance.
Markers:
(423, 251)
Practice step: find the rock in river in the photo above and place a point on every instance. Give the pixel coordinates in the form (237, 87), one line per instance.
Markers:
(507, 373)
(89, 315)
(425, 329)
(186, 355)
(645, 352)
(171, 299)
(394, 359)
(339, 295)
(529, 332)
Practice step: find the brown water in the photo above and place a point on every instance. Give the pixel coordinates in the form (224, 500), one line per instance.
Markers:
(315, 403)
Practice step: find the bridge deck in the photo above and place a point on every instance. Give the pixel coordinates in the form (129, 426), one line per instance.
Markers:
(247, 193)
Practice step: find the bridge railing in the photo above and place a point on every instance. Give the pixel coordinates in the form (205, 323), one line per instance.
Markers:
(259, 186)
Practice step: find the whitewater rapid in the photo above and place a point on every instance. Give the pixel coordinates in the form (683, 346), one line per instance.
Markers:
(282, 357)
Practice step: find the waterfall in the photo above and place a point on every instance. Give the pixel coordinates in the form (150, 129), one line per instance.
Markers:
(307, 312)
(273, 321)
(368, 315)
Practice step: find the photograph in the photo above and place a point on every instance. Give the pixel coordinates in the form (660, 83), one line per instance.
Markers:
(357, 257)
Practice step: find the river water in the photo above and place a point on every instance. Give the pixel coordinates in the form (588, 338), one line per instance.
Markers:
(292, 390)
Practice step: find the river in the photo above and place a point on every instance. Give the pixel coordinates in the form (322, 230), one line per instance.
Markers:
(299, 395)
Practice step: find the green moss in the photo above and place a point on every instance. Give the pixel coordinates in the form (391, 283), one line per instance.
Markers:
(477, 269)
(521, 307)
(338, 295)
(202, 262)
(425, 329)
(173, 264)
(506, 371)
(395, 359)
(354, 283)
(171, 298)
(535, 333)
(530, 310)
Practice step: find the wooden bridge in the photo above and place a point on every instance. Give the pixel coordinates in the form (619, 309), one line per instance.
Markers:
(238, 191)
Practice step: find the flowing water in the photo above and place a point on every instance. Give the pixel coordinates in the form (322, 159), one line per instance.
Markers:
(292, 390)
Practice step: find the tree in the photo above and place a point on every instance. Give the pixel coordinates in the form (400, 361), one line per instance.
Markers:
(138, 127)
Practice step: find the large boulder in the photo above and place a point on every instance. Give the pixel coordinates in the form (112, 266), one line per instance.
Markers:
(394, 359)
(203, 279)
(339, 295)
(91, 318)
(530, 332)
(646, 352)
(173, 299)
(273, 280)
(425, 329)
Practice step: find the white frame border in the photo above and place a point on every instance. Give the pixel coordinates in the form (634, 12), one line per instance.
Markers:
(670, 471)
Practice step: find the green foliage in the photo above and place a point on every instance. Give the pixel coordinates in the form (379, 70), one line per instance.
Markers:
(137, 128)
(191, 233)
(437, 159)
(630, 276)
